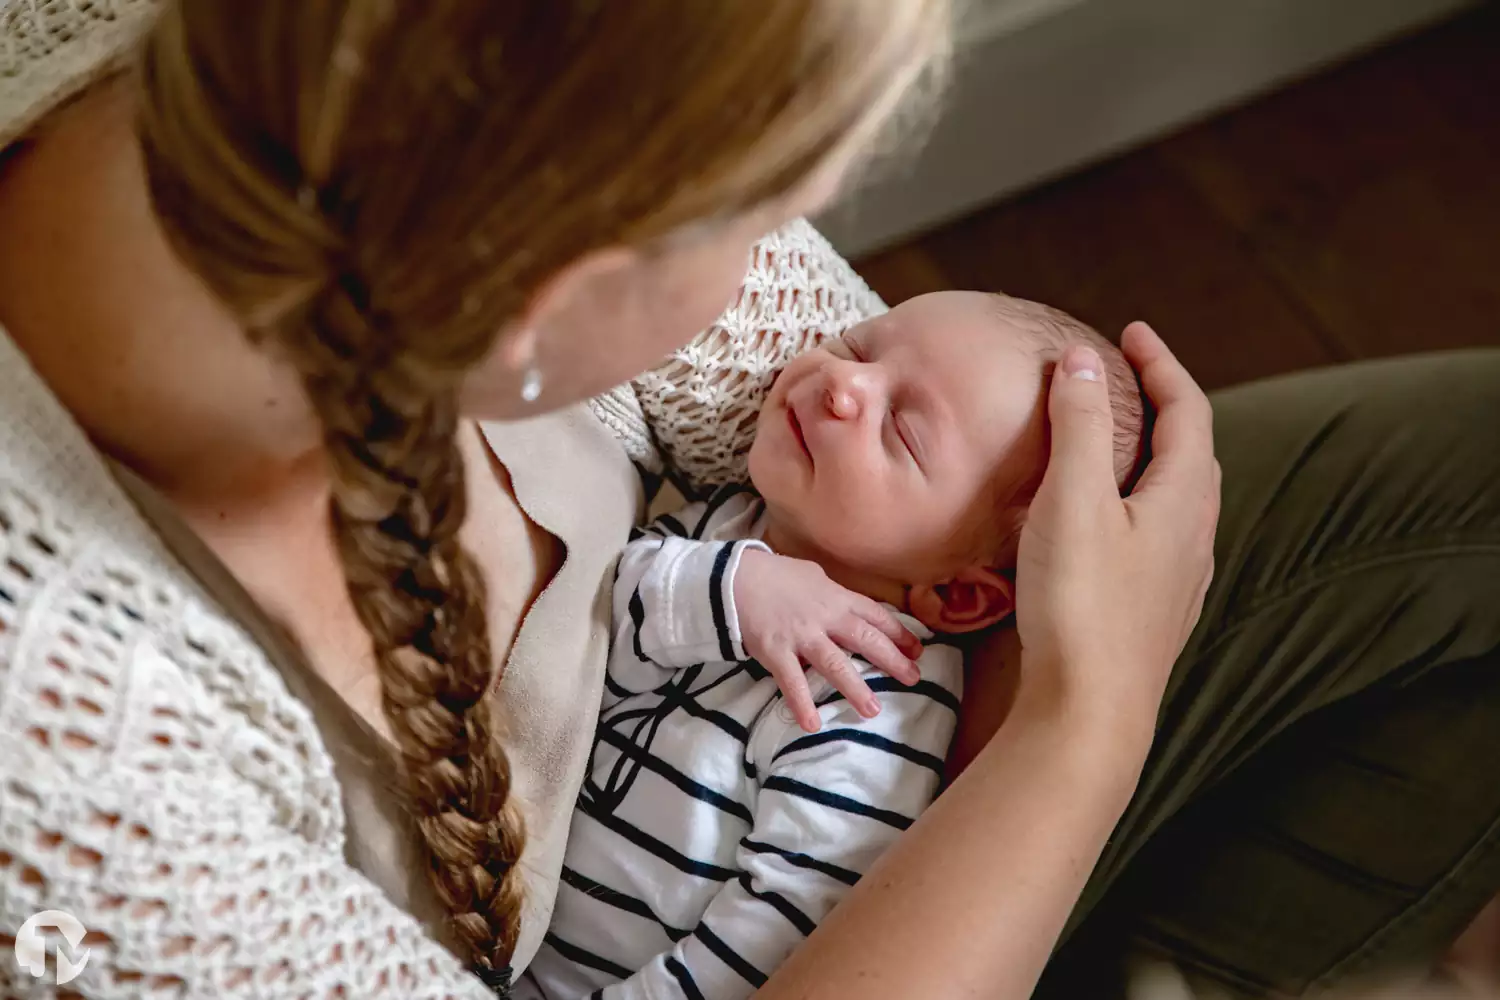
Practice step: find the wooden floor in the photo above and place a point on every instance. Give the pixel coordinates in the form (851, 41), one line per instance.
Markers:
(1353, 215)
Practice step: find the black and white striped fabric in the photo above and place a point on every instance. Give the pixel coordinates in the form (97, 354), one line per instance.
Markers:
(713, 834)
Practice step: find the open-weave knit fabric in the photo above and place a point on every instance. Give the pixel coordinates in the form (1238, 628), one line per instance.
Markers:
(52, 49)
(157, 780)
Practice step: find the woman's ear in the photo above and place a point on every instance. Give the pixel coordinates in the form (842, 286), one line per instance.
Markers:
(557, 340)
(976, 598)
(598, 283)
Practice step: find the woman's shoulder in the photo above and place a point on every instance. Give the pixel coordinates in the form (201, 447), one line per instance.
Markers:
(160, 785)
(158, 781)
(115, 669)
(111, 656)
(51, 51)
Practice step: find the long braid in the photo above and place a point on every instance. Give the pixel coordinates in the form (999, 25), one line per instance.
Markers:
(397, 505)
(377, 188)
(385, 399)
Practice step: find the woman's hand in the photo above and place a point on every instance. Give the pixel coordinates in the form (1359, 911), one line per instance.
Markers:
(1108, 589)
(970, 901)
(791, 613)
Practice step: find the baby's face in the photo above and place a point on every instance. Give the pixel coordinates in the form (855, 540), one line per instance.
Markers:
(883, 450)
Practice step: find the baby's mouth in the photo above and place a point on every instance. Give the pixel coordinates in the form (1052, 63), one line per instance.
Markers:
(796, 425)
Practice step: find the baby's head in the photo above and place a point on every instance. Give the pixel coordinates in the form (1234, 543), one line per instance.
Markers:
(903, 457)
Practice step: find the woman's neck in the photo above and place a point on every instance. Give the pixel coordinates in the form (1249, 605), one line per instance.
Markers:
(156, 371)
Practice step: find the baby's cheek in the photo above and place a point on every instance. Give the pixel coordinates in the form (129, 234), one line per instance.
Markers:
(929, 528)
(864, 531)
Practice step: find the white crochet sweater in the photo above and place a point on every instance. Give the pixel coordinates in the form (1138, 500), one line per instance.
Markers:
(157, 780)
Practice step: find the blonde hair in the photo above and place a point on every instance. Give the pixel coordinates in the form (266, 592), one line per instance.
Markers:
(376, 187)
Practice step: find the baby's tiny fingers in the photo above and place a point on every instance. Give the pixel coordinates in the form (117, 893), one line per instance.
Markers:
(866, 640)
(882, 618)
(833, 663)
(786, 669)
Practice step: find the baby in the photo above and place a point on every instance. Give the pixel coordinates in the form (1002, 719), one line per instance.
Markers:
(732, 799)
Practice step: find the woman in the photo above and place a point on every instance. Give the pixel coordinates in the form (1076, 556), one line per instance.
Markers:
(271, 718)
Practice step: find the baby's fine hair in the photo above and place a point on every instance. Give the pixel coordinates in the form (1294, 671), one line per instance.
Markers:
(1055, 331)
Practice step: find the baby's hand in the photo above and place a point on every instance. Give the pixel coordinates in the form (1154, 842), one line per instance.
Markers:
(790, 613)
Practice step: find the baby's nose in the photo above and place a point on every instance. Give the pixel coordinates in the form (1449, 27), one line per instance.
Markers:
(842, 404)
(851, 389)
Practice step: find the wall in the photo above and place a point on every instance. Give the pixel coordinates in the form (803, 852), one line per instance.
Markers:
(1045, 86)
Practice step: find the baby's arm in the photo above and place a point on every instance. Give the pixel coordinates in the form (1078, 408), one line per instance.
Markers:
(682, 598)
(673, 596)
(791, 613)
(828, 805)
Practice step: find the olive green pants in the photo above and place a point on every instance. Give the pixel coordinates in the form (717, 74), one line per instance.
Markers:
(1323, 800)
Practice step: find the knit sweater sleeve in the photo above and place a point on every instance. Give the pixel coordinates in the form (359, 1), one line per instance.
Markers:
(159, 785)
(51, 50)
(696, 412)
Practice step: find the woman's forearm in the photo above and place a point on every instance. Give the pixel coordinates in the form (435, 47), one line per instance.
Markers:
(971, 900)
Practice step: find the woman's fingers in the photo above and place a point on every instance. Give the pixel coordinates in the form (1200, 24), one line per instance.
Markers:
(865, 638)
(1165, 379)
(1082, 427)
(787, 669)
(833, 663)
(1182, 441)
(1108, 593)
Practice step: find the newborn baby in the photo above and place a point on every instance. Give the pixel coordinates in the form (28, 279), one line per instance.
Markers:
(731, 799)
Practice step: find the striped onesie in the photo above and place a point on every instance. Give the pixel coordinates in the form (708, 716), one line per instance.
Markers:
(713, 834)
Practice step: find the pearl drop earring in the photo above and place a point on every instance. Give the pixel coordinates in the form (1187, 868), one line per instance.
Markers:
(520, 353)
(531, 384)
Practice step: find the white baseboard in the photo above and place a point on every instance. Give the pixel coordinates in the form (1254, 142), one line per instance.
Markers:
(1045, 86)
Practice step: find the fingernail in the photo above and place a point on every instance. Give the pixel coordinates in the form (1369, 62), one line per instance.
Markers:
(871, 709)
(1084, 363)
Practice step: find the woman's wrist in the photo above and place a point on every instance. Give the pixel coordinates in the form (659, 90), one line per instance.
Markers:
(1113, 732)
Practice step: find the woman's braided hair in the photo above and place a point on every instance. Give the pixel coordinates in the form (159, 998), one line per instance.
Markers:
(377, 187)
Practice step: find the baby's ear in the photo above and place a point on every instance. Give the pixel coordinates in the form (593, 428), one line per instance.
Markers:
(976, 598)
